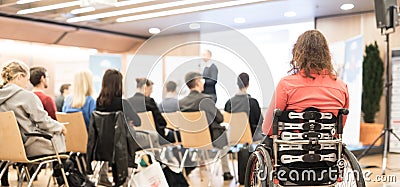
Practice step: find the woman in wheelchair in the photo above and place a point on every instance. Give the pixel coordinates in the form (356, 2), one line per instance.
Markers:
(305, 120)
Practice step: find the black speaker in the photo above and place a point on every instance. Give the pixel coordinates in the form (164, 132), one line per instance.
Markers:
(386, 12)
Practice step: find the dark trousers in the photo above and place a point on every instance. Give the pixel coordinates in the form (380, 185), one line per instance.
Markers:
(4, 178)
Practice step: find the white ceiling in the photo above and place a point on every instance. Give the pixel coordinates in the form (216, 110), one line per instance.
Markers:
(257, 14)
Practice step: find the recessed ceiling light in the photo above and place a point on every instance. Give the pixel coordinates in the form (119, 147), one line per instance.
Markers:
(290, 14)
(186, 10)
(194, 26)
(347, 6)
(134, 10)
(154, 30)
(20, 2)
(131, 2)
(239, 20)
(49, 7)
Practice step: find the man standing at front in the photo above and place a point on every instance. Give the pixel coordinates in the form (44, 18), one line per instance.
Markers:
(210, 75)
(196, 101)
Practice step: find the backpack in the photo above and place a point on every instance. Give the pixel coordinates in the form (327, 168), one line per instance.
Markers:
(74, 176)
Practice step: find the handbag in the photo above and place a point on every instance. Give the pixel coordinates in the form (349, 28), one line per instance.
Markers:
(151, 176)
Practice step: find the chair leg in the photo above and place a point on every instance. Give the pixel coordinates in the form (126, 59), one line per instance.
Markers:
(20, 175)
(131, 178)
(34, 174)
(83, 161)
(59, 162)
(213, 173)
(96, 172)
(198, 161)
(207, 158)
(48, 181)
(78, 163)
(212, 168)
(37, 171)
(182, 165)
(28, 177)
(233, 167)
(6, 164)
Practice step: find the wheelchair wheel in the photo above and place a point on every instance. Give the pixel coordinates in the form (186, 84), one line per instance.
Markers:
(258, 169)
(352, 174)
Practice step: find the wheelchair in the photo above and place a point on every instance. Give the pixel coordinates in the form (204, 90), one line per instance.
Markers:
(306, 150)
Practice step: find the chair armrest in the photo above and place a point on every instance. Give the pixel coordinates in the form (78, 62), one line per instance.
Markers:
(143, 132)
(38, 134)
(171, 129)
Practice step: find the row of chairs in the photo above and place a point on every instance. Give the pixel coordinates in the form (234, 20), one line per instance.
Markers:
(13, 150)
(195, 135)
(193, 127)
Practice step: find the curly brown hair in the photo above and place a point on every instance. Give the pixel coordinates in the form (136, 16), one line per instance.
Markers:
(311, 55)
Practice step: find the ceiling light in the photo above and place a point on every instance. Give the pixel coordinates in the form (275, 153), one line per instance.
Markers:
(131, 2)
(20, 2)
(134, 10)
(49, 7)
(186, 10)
(289, 14)
(347, 6)
(154, 30)
(83, 10)
(194, 26)
(239, 20)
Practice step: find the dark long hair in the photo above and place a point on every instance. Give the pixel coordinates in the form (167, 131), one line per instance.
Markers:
(311, 54)
(111, 87)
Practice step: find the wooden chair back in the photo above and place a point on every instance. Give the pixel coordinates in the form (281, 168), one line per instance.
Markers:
(239, 128)
(172, 119)
(77, 136)
(147, 122)
(11, 145)
(194, 130)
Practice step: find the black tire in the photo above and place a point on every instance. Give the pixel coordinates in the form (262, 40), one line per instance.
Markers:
(353, 175)
(259, 160)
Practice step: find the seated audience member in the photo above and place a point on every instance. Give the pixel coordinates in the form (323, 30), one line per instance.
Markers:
(40, 80)
(243, 102)
(313, 82)
(110, 100)
(142, 102)
(81, 99)
(170, 101)
(29, 112)
(196, 101)
(64, 92)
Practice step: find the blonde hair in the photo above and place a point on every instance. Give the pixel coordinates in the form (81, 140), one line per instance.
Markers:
(11, 71)
(83, 86)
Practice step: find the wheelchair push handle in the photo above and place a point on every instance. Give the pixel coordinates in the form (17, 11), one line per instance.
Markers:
(342, 112)
(277, 114)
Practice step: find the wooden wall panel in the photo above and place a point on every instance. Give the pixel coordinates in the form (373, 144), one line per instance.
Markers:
(342, 28)
(338, 29)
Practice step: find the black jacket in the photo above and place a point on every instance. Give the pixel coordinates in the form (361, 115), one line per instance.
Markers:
(245, 103)
(140, 103)
(210, 75)
(110, 140)
(119, 104)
